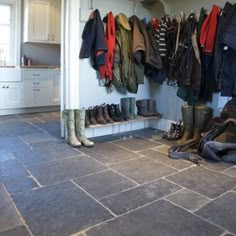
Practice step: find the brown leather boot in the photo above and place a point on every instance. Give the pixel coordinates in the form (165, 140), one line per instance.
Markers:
(87, 122)
(106, 116)
(99, 115)
(91, 115)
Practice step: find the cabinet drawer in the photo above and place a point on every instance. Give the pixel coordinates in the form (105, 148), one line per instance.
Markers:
(37, 83)
(39, 74)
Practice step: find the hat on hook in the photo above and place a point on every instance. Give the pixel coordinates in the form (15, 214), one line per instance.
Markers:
(124, 21)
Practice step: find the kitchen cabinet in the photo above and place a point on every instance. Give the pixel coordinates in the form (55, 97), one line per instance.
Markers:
(42, 21)
(55, 77)
(11, 95)
(41, 87)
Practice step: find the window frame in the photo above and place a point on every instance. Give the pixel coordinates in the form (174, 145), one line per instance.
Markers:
(15, 31)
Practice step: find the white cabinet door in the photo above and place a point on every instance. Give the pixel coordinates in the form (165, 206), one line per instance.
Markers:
(55, 76)
(11, 95)
(37, 92)
(56, 21)
(40, 20)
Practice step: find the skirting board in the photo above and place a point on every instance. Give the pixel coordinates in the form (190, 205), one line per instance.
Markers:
(17, 111)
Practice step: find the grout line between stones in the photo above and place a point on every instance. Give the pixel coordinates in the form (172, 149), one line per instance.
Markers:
(18, 212)
(88, 194)
(196, 214)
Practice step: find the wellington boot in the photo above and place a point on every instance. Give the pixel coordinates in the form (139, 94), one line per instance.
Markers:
(99, 115)
(202, 116)
(143, 108)
(91, 114)
(152, 108)
(187, 116)
(125, 108)
(87, 121)
(132, 114)
(105, 113)
(69, 118)
(80, 127)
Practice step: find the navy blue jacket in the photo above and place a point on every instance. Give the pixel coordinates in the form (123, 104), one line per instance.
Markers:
(94, 45)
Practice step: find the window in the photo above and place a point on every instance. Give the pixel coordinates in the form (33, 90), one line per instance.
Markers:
(9, 32)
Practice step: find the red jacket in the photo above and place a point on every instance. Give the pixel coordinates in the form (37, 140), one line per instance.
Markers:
(208, 31)
(110, 38)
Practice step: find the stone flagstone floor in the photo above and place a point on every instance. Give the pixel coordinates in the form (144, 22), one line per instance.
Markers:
(124, 186)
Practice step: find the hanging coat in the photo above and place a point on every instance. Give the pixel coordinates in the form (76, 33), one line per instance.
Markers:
(124, 72)
(110, 37)
(94, 45)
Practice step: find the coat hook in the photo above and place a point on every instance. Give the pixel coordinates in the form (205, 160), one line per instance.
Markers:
(91, 4)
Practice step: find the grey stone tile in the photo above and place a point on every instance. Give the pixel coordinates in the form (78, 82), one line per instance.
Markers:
(8, 215)
(139, 196)
(17, 231)
(136, 144)
(66, 169)
(11, 170)
(221, 211)
(12, 144)
(109, 153)
(217, 166)
(160, 219)
(20, 185)
(159, 139)
(104, 183)
(9, 117)
(188, 199)
(231, 172)
(157, 156)
(45, 154)
(18, 131)
(48, 143)
(59, 210)
(147, 133)
(143, 170)
(37, 138)
(31, 115)
(52, 127)
(106, 138)
(163, 148)
(206, 182)
(6, 155)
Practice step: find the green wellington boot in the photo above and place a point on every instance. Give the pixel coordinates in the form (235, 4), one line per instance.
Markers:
(125, 108)
(80, 128)
(202, 116)
(69, 118)
(187, 116)
(132, 114)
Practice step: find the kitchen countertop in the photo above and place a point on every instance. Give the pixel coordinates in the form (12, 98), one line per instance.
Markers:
(40, 67)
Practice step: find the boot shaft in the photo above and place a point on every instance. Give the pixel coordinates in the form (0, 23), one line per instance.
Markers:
(91, 114)
(105, 112)
(69, 117)
(99, 115)
(132, 108)
(142, 106)
(202, 115)
(125, 108)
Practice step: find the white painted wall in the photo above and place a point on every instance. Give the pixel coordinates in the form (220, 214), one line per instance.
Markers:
(187, 6)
